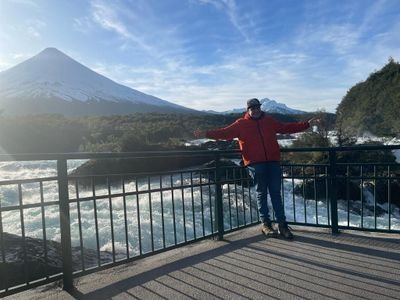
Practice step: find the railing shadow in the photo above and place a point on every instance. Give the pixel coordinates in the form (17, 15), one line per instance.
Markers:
(313, 265)
(142, 278)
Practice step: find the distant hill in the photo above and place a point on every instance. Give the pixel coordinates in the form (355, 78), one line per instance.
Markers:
(52, 82)
(267, 105)
(373, 105)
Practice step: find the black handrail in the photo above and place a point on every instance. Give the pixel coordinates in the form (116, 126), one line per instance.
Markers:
(145, 154)
(331, 177)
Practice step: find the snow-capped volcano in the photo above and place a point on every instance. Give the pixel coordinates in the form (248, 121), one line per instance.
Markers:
(270, 106)
(52, 82)
(275, 107)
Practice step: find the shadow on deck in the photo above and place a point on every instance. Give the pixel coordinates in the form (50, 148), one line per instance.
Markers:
(245, 265)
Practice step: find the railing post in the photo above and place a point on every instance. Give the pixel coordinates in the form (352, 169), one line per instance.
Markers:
(219, 215)
(65, 224)
(333, 191)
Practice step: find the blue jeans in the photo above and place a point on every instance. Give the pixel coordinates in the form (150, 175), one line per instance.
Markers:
(267, 177)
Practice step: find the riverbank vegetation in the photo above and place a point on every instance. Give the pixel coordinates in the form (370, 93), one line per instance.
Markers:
(127, 133)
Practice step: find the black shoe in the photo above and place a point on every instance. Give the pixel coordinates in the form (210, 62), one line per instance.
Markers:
(285, 231)
(269, 231)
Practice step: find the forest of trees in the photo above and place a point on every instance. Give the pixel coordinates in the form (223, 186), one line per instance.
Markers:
(125, 133)
(373, 105)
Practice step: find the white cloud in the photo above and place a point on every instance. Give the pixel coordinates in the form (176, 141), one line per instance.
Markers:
(233, 13)
(337, 37)
(34, 27)
(84, 25)
(227, 84)
(4, 65)
(33, 32)
(230, 8)
(4, 37)
(24, 2)
(333, 56)
(11, 59)
(107, 17)
(298, 78)
(141, 31)
(18, 56)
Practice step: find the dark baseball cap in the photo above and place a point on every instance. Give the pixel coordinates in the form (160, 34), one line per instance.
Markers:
(253, 102)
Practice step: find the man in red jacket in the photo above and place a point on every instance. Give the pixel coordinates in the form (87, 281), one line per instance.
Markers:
(258, 143)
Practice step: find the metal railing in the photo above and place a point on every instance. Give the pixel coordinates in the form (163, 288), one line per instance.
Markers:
(102, 220)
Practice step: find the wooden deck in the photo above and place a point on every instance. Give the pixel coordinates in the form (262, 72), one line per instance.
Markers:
(246, 265)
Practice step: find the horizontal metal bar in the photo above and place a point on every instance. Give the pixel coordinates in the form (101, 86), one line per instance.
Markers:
(142, 174)
(29, 180)
(145, 154)
(342, 177)
(166, 189)
(82, 155)
(370, 229)
(27, 286)
(368, 177)
(306, 177)
(338, 149)
(355, 164)
(30, 205)
(304, 165)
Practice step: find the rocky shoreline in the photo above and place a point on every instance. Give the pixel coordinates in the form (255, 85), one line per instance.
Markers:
(351, 189)
(31, 260)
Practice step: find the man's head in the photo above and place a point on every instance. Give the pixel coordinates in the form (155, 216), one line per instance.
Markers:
(254, 108)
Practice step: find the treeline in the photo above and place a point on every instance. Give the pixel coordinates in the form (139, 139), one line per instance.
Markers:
(373, 105)
(122, 133)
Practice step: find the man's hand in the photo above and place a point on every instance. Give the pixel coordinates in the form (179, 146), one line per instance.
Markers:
(198, 133)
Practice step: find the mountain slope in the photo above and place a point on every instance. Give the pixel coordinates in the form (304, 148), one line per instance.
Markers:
(52, 82)
(373, 105)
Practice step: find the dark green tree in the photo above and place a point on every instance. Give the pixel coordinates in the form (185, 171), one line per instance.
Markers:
(372, 106)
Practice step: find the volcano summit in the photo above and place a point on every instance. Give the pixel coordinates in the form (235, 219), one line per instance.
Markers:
(52, 82)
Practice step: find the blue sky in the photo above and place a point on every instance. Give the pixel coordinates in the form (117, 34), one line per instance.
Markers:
(213, 54)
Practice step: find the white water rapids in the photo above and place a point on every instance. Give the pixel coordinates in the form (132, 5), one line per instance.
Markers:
(296, 208)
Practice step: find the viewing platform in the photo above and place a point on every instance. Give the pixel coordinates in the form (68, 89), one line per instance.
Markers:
(246, 265)
(82, 226)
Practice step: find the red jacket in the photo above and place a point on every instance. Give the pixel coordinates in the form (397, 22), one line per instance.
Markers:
(257, 138)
